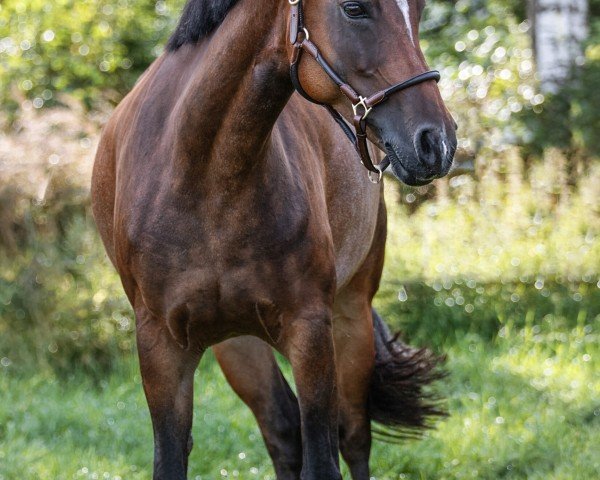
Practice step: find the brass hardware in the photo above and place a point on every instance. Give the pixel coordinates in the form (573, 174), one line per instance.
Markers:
(361, 103)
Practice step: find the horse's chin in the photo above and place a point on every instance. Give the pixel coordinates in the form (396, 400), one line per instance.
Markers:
(402, 173)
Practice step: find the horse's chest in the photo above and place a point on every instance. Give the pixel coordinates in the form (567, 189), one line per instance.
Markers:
(224, 274)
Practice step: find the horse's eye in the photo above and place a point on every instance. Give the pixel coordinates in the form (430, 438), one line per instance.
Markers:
(354, 10)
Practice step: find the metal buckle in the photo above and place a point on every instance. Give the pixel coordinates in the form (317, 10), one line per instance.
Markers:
(361, 103)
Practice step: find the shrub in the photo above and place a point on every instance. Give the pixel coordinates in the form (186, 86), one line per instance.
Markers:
(61, 304)
(94, 50)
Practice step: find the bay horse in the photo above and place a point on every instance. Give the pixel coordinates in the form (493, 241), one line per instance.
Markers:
(238, 217)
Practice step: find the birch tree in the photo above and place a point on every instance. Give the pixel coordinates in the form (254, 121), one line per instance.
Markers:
(559, 30)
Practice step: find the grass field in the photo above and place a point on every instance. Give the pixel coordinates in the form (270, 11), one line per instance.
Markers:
(523, 404)
(520, 325)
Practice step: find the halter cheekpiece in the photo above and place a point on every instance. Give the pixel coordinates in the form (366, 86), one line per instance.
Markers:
(361, 106)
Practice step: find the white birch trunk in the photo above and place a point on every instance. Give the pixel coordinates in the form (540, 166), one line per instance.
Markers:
(559, 29)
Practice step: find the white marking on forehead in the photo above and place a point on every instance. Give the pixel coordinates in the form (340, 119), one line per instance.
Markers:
(405, 9)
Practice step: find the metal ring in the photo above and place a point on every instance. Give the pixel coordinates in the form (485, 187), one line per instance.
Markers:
(379, 177)
(306, 35)
(294, 2)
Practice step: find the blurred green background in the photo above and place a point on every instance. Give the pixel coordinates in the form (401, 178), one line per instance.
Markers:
(498, 266)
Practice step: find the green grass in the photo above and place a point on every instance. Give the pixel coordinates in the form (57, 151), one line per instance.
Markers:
(524, 403)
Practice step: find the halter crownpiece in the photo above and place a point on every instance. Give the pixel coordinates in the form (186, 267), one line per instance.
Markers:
(361, 106)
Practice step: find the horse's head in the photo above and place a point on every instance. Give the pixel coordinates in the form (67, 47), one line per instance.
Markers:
(372, 45)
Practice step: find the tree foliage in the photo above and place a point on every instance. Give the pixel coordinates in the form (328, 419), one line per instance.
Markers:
(95, 51)
(484, 51)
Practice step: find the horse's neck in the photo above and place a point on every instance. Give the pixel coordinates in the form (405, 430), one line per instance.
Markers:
(236, 91)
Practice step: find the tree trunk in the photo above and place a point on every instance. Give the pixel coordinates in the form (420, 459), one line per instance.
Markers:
(559, 30)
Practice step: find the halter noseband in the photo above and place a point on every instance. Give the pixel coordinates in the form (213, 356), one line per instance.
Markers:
(361, 106)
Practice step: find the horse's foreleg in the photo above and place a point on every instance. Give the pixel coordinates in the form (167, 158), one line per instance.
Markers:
(250, 368)
(309, 346)
(355, 353)
(168, 376)
(355, 357)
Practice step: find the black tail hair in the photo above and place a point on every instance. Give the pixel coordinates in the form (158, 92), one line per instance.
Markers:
(399, 398)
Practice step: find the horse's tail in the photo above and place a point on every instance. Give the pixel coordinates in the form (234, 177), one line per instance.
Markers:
(399, 398)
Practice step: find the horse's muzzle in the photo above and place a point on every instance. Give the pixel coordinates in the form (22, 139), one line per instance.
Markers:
(429, 158)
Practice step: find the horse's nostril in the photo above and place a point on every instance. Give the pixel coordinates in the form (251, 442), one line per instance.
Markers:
(426, 142)
(429, 146)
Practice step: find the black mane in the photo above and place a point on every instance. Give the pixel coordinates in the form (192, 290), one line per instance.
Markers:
(199, 18)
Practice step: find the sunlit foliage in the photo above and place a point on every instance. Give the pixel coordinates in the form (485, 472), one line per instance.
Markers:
(484, 52)
(94, 50)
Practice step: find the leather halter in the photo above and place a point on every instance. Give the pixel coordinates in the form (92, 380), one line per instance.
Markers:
(361, 106)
